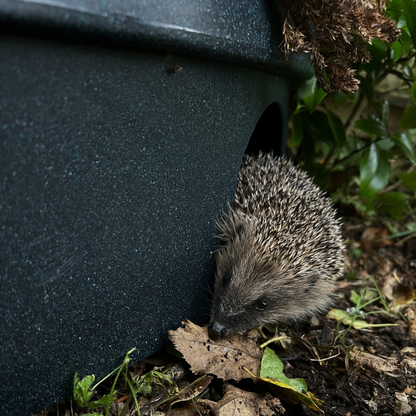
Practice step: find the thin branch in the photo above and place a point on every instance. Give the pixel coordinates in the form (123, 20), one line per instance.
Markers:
(354, 112)
(401, 76)
(337, 162)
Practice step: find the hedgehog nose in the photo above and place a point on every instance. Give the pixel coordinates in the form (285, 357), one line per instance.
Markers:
(216, 331)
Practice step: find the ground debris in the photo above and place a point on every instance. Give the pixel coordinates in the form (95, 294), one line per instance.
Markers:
(226, 358)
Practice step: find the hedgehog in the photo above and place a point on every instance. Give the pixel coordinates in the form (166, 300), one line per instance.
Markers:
(280, 249)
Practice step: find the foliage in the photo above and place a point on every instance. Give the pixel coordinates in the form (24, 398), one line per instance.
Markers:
(289, 390)
(335, 34)
(83, 389)
(362, 300)
(363, 161)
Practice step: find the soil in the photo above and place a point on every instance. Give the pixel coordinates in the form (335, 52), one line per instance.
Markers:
(372, 373)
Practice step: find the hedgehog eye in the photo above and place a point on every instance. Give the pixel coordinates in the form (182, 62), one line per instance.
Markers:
(261, 305)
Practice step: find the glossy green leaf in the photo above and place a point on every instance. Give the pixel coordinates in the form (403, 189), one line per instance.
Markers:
(394, 203)
(372, 125)
(340, 98)
(374, 171)
(311, 95)
(378, 52)
(367, 88)
(408, 179)
(378, 49)
(406, 41)
(297, 130)
(394, 9)
(408, 120)
(405, 145)
(385, 144)
(272, 367)
(385, 112)
(317, 125)
(337, 127)
(413, 92)
(409, 11)
(397, 51)
(290, 394)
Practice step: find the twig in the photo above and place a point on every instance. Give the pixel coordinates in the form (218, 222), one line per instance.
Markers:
(400, 76)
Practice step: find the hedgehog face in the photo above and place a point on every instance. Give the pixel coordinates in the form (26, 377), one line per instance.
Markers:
(251, 290)
(245, 292)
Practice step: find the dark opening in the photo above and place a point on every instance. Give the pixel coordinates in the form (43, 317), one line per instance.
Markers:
(267, 135)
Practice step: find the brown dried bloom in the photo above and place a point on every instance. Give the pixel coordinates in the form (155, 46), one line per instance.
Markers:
(334, 33)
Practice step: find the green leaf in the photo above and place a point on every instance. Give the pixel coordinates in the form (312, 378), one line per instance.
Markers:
(297, 130)
(272, 367)
(311, 95)
(82, 391)
(406, 41)
(363, 297)
(408, 179)
(409, 10)
(378, 52)
(346, 319)
(408, 120)
(367, 88)
(396, 52)
(385, 144)
(413, 92)
(317, 125)
(289, 394)
(378, 49)
(394, 9)
(340, 98)
(405, 145)
(320, 174)
(337, 127)
(372, 125)
(355, 297)
(104, 401)
(385, 112)
(374, 171)
(394, 203)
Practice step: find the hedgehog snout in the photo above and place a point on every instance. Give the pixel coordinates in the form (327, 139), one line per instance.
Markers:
(216, 330)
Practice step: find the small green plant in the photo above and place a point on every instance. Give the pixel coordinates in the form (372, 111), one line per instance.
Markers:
(84, 390)
(367, 296)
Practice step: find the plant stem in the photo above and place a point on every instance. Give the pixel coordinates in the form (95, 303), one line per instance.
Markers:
(337, 162)
(354, 112)
(401, 76)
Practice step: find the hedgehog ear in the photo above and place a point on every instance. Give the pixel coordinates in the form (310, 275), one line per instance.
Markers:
(230, 229)
(233, 234)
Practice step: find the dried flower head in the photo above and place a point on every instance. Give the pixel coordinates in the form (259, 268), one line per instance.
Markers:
(335, 33)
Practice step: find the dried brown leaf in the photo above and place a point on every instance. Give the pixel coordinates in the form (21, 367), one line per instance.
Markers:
(192, 391)
(241, 402)
(371, 235)
(224, 358)
(379, 364)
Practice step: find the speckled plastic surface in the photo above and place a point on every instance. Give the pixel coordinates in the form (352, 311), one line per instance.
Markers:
(113, 164)
(244, 32)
